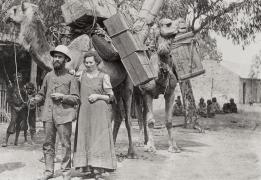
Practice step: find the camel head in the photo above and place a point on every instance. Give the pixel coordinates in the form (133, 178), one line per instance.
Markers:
(21, 13)
(169, 28)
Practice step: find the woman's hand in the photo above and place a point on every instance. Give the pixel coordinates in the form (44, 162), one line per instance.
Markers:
(93, 97)
(57, 96)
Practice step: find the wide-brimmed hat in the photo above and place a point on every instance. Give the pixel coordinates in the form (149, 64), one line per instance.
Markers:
(62, 49)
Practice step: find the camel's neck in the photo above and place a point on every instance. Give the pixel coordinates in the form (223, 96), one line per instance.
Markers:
(32, 38)
(32, 30)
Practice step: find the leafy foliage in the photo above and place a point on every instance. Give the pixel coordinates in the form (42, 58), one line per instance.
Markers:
(238, 20)
(208, 47)
(255, 66)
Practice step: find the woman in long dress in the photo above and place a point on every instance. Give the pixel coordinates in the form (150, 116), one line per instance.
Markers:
(94, 146)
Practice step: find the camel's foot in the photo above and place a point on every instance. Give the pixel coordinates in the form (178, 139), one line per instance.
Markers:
(132, 153)
(199, 128)
(26, 143)
(150, 148)
(188, 126)
(4, 144)
(139, 144)
(151, 123)
(174, 149)
(32, 143)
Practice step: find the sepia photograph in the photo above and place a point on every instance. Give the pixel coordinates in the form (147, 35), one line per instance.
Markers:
(130, 89)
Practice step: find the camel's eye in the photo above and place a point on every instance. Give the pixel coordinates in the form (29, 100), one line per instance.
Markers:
(169, 24)
(15, 11)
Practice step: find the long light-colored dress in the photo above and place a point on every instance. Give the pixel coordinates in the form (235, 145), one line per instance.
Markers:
(94, 143)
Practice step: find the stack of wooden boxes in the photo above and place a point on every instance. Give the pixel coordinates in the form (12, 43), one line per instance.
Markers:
(130, 49)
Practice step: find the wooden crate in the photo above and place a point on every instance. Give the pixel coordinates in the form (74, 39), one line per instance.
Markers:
(118, 27)
(127, 43)
(185, 57)
(130, 49)
(82, 12)
(117, 24)
(139, 67)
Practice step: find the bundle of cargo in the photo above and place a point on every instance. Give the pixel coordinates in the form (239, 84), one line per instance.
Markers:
(81, 13)
(186, 57)
(130, 48)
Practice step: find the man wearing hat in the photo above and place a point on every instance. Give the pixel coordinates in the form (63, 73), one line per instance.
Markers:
(61, 94)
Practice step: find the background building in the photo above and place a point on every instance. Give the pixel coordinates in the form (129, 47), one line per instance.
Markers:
(225, 81)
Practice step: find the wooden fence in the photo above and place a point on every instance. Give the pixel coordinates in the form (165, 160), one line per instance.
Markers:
(5, 114)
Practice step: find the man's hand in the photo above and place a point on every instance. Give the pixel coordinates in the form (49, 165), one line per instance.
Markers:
(57, 96)
(17, 109)
(32, 101)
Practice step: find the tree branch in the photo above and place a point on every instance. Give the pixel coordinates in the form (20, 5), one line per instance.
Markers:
(214, 17)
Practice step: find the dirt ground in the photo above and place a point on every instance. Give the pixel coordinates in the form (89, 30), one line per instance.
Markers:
(230, 149)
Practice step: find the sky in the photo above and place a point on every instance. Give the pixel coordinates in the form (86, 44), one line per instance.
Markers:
(234, 57)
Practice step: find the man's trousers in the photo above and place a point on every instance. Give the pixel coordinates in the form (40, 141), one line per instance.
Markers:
(64, 131)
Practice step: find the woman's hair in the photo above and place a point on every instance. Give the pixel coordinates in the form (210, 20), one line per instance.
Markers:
(93, 54)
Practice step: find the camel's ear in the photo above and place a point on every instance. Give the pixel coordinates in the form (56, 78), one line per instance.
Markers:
(23, 6)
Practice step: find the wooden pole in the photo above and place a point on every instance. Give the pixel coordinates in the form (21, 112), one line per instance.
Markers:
(212, 86)
(33, 73)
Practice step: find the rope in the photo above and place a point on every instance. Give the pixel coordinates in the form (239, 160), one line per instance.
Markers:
(94, 15)
(5, 72)
(16, 72)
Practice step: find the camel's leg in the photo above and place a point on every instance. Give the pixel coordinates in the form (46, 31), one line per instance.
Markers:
(117, 116)
(127, 92)
(140, 142)
(137, 99)
(146, 137)
(148, 108)
(169, 101)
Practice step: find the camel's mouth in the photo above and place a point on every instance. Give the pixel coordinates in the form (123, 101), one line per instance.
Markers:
(6, 19)
(9, 20)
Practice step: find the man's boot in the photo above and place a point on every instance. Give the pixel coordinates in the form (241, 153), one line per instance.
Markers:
(67, 175)
(49, 167)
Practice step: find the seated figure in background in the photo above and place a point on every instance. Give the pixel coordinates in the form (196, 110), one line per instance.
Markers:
(178, 109)
(216, 106)
(210, 109)
(202, 108)
(226, 108)
(233, 106)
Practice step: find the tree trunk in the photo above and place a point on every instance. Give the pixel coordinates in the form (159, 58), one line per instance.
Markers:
(191, 116)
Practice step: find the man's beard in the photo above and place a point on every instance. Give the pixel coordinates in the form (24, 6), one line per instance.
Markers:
(57, 66)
